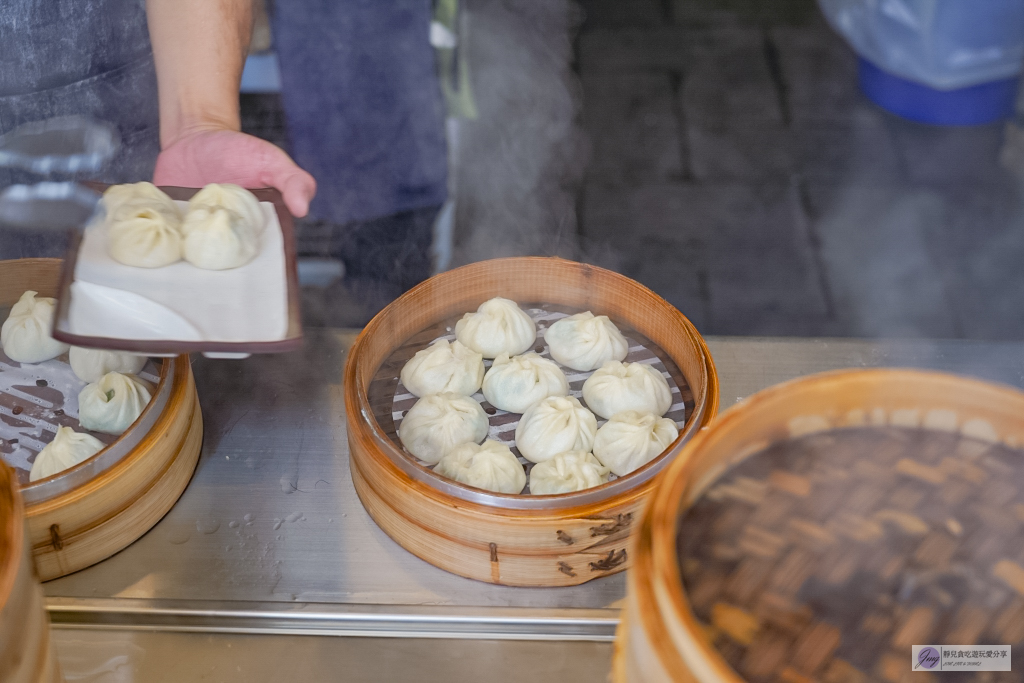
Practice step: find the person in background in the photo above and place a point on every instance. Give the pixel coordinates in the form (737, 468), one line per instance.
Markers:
(171, 90)
(365, 116)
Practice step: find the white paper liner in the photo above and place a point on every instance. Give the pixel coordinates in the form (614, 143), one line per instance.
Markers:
(245, 304)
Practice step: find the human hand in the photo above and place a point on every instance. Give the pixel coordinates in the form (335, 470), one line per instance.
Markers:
(227, 156)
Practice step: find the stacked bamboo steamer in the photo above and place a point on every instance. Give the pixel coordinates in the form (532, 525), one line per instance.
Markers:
(86, 514)
(26, 655)
(507, 539)
(660, 638)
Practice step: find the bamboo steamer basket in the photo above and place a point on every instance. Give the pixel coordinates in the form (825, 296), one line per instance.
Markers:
(84, 515)
(659, 638)
(516, 540)
(26, 655)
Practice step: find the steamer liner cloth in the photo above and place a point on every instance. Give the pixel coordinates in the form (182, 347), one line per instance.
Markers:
(30, 414)
(77, 57)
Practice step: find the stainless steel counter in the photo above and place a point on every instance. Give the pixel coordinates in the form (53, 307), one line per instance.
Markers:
(133, 656)
(270, 537)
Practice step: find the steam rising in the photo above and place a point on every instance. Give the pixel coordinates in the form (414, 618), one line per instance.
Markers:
(520, 164)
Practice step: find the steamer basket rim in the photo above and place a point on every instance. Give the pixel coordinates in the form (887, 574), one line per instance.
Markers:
(494, 501)
(675, 488)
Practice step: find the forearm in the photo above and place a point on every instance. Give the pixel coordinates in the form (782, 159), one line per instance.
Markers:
(200, 48)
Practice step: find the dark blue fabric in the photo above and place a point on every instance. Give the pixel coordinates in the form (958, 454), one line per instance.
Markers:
(64, 57)
(52, 43)
(383, 257)
(362, 104)
(68, 57)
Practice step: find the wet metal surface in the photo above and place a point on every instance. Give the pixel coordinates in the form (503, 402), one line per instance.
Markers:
(270, 536)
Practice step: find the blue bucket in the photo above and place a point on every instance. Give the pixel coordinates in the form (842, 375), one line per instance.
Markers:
(971, 106)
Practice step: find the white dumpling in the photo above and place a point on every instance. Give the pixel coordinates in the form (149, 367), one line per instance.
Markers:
(555, 425)
(515, 384)
(116, 196)
(113, 403)
(584, 341)
(216, 238)
(25, 335)
(235, 199)
(143, 226)
(627, 386)
(497, 326)
(630, 440)
(67, 449)
(90, 365)
(439, 422)
(567, 473)
(444, 367)
(490, 466)
(222, 227)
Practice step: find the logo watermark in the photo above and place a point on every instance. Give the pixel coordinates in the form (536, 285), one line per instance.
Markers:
(960, 658)
(927, 658)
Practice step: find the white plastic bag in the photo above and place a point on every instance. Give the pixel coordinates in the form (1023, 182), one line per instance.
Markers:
(944, 44)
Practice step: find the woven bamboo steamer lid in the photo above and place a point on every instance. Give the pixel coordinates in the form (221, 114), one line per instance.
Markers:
(555, 542)
(26, 655)
(98, 516)
(661, 639)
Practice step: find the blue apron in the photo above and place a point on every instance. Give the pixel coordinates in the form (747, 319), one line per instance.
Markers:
(363, 104)
(365, 116)
(78, 57)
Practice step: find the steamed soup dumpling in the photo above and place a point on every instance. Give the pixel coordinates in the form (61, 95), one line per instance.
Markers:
(217, 238)
(585, 342)
(222, 228)
(567, 473)
(90, 365)
(444, 367)
(555, 425)
(489, 466)
(143, 226)
(498, 326)
(439, 422)
(630, 440)
(117, 196)
(627, 386)
(113, 403)
(67, 449)
(235, 199)
(25, 335)
(515, 384)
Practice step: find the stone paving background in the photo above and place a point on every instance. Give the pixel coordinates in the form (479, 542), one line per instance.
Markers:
(743, 177)
(734, 168)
